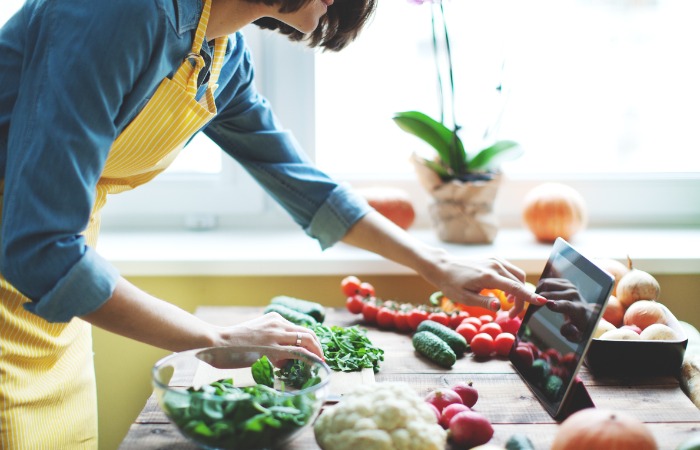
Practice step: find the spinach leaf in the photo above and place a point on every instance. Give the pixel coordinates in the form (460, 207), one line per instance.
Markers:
(263, 371)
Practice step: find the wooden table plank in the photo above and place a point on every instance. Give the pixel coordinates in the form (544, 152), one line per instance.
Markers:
(503, 398)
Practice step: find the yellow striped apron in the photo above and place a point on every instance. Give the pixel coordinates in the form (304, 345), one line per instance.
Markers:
(47, 381)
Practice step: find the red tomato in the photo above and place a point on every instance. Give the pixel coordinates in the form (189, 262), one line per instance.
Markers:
(350, 285)
(457, 317)
(369, 312)
(366, 289)
(385, 318)
(416, 316)
(482, 345)
(503, 343)
(467, 330)
(401, 321)
(355, 304)
(507, 324)
(491, 328)
(485, 318)
(440, 317)
(474, 321)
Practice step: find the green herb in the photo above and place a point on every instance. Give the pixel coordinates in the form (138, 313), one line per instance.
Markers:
(348, 349)
(263, 372)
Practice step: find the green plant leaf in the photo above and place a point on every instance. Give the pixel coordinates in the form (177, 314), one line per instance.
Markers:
(491, 157)
(437, 135)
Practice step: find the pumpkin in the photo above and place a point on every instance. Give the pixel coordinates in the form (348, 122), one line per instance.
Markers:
(594, 428)
(393, 203)
(552, 210)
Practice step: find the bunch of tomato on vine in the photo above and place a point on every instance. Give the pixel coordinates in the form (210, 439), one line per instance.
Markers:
(404, 317)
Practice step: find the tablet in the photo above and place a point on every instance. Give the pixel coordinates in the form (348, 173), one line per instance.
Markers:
(553, 338)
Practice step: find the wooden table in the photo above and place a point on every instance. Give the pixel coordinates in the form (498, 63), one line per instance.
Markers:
(503, 397)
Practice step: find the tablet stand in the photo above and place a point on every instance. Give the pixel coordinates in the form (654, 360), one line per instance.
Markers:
(576, 400)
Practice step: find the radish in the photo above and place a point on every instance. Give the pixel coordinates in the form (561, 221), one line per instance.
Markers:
(449, 412)
(442, 397)
(467, 392)
(468, 429)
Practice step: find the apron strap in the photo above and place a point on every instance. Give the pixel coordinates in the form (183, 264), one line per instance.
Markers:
(186, 76)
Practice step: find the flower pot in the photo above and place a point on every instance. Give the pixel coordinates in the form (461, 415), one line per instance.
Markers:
(461, 212)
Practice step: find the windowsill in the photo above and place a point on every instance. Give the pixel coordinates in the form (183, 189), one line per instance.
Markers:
(291, 252)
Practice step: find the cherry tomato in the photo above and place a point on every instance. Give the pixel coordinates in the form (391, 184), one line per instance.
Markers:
(401, 321)
(366, 289)
(474, 321)
(350, 285)
(491, 328)
(485, 318)
(457, 317)
(503, 343)
(482, 345)
(355, 304)
(439, 317)
(467, 330)
(385, 318)
(416, 316)
(369, 312)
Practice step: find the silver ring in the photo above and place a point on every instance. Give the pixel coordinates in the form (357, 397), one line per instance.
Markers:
(298, 342)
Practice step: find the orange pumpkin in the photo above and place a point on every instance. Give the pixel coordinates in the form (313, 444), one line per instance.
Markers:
(553, 210)
(393, 203)
(594, 428)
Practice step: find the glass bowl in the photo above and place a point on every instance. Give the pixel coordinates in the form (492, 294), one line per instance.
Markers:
(215, 398)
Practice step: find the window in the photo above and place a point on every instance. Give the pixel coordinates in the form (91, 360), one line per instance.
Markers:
(602, 94)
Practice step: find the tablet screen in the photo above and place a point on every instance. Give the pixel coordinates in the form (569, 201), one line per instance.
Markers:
(557, 334)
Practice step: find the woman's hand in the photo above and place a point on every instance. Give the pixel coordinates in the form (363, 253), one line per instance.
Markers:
(272, 330)
(463, 281)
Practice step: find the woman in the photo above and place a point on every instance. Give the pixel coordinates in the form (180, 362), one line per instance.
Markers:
(97, 97)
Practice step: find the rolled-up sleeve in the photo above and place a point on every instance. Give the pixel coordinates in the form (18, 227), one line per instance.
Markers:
(65, 101)
(247, 129)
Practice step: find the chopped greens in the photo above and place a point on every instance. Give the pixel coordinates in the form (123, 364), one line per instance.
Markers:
(348, 349)
(220, 415)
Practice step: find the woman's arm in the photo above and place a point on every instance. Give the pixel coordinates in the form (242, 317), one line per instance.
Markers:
(459, 280)
(134, 314)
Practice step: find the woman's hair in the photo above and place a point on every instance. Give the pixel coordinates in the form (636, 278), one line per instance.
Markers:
(336, 29)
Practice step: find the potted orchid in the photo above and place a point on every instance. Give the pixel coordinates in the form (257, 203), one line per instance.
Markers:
(462, 183)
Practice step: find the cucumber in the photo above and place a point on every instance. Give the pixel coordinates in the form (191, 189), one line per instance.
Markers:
(291, 315)
(434, 348)
(519, 442)
(455, 340)
(313, 309)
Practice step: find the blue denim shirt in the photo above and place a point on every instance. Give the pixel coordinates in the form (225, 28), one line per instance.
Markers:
(72, 77)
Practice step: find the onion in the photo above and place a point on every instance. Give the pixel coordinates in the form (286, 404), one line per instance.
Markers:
(637, 285)
(614, 268)
(658, 332)
(614, 311)
(595, 428)
(644, 313)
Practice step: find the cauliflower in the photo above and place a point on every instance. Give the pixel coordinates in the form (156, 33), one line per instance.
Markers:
(382, 416)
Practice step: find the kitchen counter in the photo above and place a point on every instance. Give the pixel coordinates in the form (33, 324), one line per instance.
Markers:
(503, 398)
